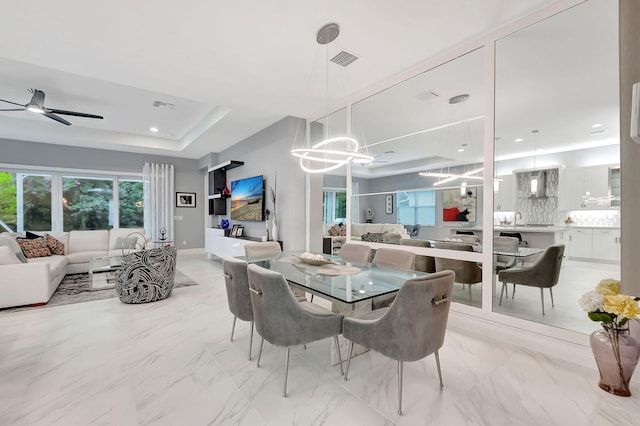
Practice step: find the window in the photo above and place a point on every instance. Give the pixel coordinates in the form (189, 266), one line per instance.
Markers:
(418, 207)
(55, 201)
(335, 206)
(130, 197)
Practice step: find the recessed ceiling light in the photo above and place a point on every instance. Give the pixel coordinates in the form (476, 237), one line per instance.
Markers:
(595, 126)
(153, 129)
(518, 140)
(460, 149)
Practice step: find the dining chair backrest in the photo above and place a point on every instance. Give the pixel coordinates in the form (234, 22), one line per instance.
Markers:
(505, 245)
(357, 253)
(279, 318)
(472, 239)
(467, 272)
(414, 326)
(236, 281)
(423, 263)
(517, 235)
(544, 273)
(268, 250)
(394, 258)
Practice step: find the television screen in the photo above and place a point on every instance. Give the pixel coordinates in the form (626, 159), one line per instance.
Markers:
(247, 199)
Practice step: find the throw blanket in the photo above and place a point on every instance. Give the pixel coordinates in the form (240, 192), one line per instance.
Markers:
(372, 237)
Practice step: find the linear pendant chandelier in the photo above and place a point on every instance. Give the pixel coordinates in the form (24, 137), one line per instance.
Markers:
(332, 153)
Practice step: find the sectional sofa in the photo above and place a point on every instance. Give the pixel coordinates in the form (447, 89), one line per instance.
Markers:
(377, 232)
(35, 281)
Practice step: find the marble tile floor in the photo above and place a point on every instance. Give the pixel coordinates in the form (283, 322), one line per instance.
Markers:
(171, 363)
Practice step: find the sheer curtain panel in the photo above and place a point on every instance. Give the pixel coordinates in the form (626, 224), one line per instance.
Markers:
(158, 200)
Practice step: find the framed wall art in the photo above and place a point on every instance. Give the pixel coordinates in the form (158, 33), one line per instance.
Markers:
(185, 199)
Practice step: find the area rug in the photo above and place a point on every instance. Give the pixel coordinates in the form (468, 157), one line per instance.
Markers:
(74, 288)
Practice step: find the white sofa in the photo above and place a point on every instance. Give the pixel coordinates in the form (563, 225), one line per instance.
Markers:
(35, 282)
(393, 231)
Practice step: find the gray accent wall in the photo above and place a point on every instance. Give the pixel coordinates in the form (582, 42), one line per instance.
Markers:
(267, 153)
(188, 231)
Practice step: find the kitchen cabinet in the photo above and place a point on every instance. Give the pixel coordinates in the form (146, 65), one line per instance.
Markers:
(505, 197)
(606, 244)
(581, 241)
(575, 184)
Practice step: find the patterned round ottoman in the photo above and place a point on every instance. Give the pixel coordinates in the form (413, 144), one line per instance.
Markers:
(146, 275)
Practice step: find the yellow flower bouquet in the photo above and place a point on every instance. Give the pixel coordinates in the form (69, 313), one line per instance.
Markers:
(616, 353)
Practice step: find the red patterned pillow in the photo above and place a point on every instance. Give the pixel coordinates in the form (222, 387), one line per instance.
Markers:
(34, 248)
(55, 246)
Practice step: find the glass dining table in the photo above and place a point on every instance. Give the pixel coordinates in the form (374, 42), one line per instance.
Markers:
(340, 281)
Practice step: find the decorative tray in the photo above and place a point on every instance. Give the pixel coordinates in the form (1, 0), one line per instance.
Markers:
(313, 259)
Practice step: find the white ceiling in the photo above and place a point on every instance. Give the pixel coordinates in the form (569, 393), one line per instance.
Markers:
(229, 68)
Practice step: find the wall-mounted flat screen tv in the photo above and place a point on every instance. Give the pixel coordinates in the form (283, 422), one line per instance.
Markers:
(247, 199)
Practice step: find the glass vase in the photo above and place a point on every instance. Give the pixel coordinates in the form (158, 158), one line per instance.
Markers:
(616, 354)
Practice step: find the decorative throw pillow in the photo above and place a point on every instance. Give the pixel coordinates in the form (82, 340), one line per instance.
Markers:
(10, 241)
(126, 243)
(31, 236)
(55, 246)
(343, 231)
(372, 237)
(34, 248)
(334, 230)
(8, 257)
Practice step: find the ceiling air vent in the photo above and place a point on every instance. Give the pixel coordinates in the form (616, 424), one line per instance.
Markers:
(344, 58)
(160, 104)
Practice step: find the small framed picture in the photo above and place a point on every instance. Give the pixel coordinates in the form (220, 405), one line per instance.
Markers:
(185, 199)
(388, 203)
(234, 230)
(239, 231)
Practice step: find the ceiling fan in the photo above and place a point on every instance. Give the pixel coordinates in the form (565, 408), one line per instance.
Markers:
(37, 105)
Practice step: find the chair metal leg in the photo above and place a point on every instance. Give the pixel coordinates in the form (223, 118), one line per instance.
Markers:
(346, 373)
(513, 293)
(400, 388)
(312, 298)
(260, 352)
(551, 291)
(335, 338)
(251, 341)
(502, 292)
(439, 371)
(542, 299)
(286, 370)
(233, 326)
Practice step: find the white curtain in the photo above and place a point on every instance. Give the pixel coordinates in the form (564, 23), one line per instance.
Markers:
(158, 200)
(355, 202)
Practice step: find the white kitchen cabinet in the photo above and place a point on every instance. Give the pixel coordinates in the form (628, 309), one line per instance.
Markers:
(563, 237)
(577, 183)
(505, 197)
(606, 244)
(581, 241)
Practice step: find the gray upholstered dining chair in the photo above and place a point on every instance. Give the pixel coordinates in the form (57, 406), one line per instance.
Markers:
(505, 245)
(282, 321)
(392, 258)
(543, 274)
(423, 263)
(410, 329)
(467, 272)
(268, 250)
(357, 253)
(236, 281)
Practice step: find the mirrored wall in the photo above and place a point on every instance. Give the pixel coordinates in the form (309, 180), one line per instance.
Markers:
(557, 159)
(555, 177)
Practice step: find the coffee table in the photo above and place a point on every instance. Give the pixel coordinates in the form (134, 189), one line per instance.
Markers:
(102, 272)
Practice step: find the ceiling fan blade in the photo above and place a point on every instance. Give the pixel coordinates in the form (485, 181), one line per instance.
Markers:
(56, 118)
(17, 109)
(74, 113)
(9, 102)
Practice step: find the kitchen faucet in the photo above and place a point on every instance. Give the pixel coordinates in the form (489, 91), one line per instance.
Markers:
(515, 218)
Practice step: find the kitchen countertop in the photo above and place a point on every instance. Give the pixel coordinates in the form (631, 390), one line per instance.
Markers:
(532, 229)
